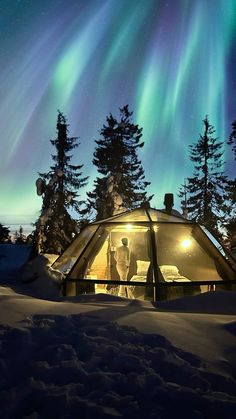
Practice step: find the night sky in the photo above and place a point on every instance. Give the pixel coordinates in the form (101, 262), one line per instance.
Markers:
(172, 61)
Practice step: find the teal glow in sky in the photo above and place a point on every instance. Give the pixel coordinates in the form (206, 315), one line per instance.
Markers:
(172, 61)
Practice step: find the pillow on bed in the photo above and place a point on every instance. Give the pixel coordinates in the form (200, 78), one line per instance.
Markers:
(143, 266)
(169, 270)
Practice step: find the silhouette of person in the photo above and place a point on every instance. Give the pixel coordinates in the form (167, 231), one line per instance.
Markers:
(122, 257)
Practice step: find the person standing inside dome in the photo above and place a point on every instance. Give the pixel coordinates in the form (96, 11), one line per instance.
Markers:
(122, 257)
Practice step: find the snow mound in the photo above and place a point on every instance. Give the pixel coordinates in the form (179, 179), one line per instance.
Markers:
(95, 298)
(13, 256)
(27, 275)
(39, 280)
(80, 366)
(215, 302)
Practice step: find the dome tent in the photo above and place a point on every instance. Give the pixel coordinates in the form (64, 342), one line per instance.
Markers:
(169, 256)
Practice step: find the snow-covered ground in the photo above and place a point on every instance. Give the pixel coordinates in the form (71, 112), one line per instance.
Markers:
(100, 356)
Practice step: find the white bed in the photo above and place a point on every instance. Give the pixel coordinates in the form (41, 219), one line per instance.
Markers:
(171, 274)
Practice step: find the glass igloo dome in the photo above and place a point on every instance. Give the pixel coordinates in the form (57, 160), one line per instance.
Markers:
(163, 256)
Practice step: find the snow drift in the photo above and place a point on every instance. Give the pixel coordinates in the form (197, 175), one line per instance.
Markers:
(106, 357)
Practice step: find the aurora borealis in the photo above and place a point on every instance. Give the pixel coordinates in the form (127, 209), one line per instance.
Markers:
(172, 61)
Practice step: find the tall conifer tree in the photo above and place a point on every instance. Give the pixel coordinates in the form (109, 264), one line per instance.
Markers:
(4, 233)
(122, 182)
(231, 225)
(232, 182)
(232, 139)
(206, 192)
(19, 236)
(55, 227)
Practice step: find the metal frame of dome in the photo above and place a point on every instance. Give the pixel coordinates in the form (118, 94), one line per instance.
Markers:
(141, 217)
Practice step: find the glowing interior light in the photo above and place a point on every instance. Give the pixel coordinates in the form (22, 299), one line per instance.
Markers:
(155, 228)
(186, 243)
(129, 226)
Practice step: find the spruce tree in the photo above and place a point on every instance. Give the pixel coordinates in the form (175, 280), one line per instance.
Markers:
(232, 182)
(231, 225)
(122, 182)
(4, 233)
(56, 227)
(232, 139)
(206, 192)
(19, 236)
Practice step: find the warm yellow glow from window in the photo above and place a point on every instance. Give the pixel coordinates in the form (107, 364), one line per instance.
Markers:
(129, 227)
(186, 243)
(155, 228)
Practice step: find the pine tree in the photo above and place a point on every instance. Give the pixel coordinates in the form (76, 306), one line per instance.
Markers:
(232, 139)
(206, 190)
(231, 225)
(122, 184)
(15, 237)
(232, 182)
(55, 227)
(19, 237)
(4, 233)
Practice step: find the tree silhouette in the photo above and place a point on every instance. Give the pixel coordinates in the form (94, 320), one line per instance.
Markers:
(19, 236)
(4, 233)
(232, 139)
(122, 184)
(231, 224)
(59, 189)
(232, 182)
(206, 192)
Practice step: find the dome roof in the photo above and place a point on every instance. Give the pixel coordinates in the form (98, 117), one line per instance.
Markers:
(143, 214)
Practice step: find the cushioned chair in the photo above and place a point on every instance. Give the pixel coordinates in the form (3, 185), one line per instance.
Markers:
(142, 272)
(171, 274)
